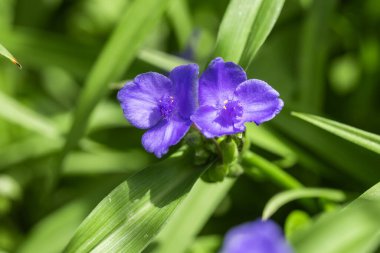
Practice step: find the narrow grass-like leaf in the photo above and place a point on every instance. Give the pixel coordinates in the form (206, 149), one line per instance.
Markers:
(74, 57)
(29, 148)
(136, 24)
(252, 161)
(362, 138)
(343, 157)
(265, 19)
(179, 15)
(191, 216)
(355, 228)
(160, 59)
(60, 225)
(235, 28)
(108, 161)
(15, 112)
(134, 212)
(313, 54)
(263, 138)
(4, 52)
(282, 198)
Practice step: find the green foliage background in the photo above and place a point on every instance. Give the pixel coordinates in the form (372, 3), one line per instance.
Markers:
(64, 144)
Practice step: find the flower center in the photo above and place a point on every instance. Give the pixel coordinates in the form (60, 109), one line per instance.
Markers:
(230, 113)
(167, 106)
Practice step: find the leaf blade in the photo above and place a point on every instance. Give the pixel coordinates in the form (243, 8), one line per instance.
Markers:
(362, 138)
(113, 61)
(133, 213)
(191, 215)
(282, 198)
(4, 52)
(233, 32)
(267, 16)
(361, 214)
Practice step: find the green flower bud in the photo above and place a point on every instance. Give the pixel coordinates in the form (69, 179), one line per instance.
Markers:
(215, 173)
(229, 151)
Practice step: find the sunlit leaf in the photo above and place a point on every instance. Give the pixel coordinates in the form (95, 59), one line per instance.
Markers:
(252, 162)
(114, 59)
(190, 216)
(355, 228)
(234, 32)
(134, 212)
(60, 226)
(262, 25)
(4, 52)
(365, 139)
(282, 198)
(15, 112)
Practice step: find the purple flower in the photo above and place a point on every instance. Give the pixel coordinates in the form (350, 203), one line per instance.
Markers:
(161, 104)
(256, 237)
(227, 100)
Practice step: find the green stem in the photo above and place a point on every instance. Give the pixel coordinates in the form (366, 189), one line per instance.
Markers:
(253, 161)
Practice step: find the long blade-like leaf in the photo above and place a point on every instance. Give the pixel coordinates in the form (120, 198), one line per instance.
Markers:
(362, 138)
(262, 25)
(4, 52)
(134, 212)
(136, 24)
(190, 217)
(355, 228)
(282, 198)
(235, 28)
(17, 113)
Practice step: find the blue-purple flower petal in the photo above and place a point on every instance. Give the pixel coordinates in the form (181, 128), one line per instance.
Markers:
(256, 237)
(166, 133)
(140, 99)
(260, 101)
(210, 121)
(219, 81)
(185, 79)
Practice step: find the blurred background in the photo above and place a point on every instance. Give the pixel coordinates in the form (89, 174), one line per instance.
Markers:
(323, 57)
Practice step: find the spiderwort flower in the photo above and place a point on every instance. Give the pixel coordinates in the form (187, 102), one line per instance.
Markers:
(256, 237)
(161, 104)
(227, 100)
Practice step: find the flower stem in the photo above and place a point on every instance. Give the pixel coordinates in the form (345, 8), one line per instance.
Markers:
(253, 161)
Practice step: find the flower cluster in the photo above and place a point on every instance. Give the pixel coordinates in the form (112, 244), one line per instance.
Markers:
(219, 103)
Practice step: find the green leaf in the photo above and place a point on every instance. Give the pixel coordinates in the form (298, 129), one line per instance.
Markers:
(4, 52)
(265, 139)
(282, 198)
(235, 28)
(160, 59)
(362, 138)
(353, 229)
(314, 53)
(13, 111)
(252, 161)
(245, 26)
(134, 212)
(180, 17)
(266, 17)
(191, 216)
(107, 161)
(348, 161)
(32, 147)
(60, 225)
(138, 21)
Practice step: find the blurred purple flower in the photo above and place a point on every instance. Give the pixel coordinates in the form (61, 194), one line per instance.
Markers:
(227, 100)
(161, 104)
(256, 237)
